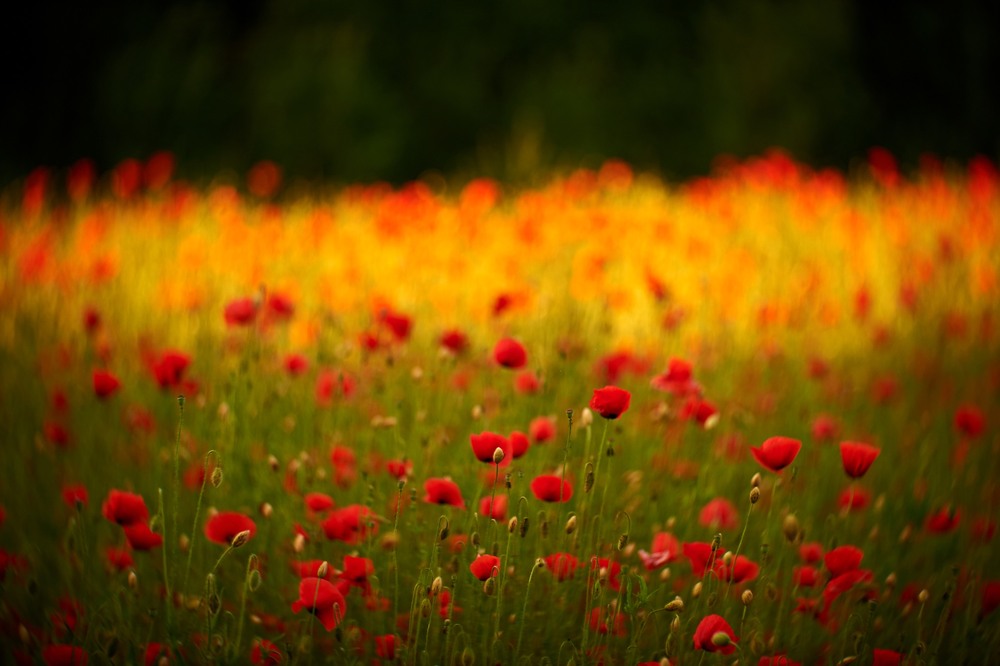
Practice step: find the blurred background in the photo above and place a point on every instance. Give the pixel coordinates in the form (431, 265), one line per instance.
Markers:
(359, 90)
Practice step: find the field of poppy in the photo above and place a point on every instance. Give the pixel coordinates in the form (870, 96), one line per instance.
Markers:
(604, 420)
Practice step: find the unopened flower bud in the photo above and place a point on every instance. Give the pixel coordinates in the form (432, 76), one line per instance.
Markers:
(323, 569)
(696, 590)
(216, 477)
(425, 608)
(675, 624)
(588, 481)
(746, 597)
(755, 480)
(240, 539)
(474, 539)
(512, 525)
(184, 542)
(390, 540)
(299, 544)
(790, 527)
(675, 606)
(754, 495)
(497, 456)
(524, 527)
(444, 530)
(133, 580)
(490, 586)
(721, 639)
(622, 540)
(23, 634)
(436, 586)
(890, 580)
(571, 524)
(923, 596)
(586, 417)
(266, 510)
(272, 462)
(477, 412)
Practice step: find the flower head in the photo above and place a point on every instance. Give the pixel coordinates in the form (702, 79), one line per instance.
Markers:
(485, 566)
(776, 453)
(610, 401)
(510, 354)
(443, 491)
(125, 508)
(224, 527)
(707, 635)
(857, 458)
(551, 488)
(321, 598)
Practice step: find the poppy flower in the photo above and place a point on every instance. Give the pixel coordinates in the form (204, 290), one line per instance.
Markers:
(454, 341)
(56, 433)
(240, 312)
(842, 559)
(844, 583)
(542, 429)
(719, 514)
(882, 657)
(322, 599)
(169, 368)
(602, 566)
(357, 570)
(266, 653)
(399, 324)
(296, 364)
(665, 549)
(811, 552)
(223, 527)
(125, 508)
(154, 651)
(825, 428)
(64, 655)
(970, 421)
(527, 382)
(707, 635)
(551, 488)
(385, 646)
(119, 559)
(510, 353)
(943, 520)
(280, 306)
(805, 576)
(485, 566)
(350, 524)
(562, 565)
(498, 510)
(318, 502)
(677, 378)
(699, 410)
(740, 570)
(610, 402)
(399, 469)
(485, 444)
(857, 458)
(443, 491)
(105, 384)
(778, 660)
(604, 620)
(699, 553)
(519, 444)
(75, 496)
(140, 537)
(991, 598)
(853, 499)
(776, 453)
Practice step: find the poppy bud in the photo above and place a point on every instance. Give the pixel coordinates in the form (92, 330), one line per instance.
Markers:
(497, 456)
(622, 540)
(904, 536)
(444, 531)
(675, 606)
(436, 586)
(468, 657)
(425, 608)
(474, 539)
(322, 570)
(490, 586)
(540, 563)
(512, 525)
(214, 603)
(133, 581)
(746, 597)
(675, 624)
(216, 477)
(611, 451)
(571, 524)
(923, 596)
(477, 412)
(524, 527)
(506, 480)
(586, 417)
(588, 482)
(272, 462)
(240, 539)
(299, 544)
(696, 590)
(790, 528)
(721, 639)
(755, 480)
(184, 542)
(890, 580)
(266, 510)
(754, 495)
(390, 540)
(22, 633)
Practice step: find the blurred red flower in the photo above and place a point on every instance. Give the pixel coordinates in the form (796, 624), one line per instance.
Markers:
(443, 491)
(105, 383)
(399, 469)
(296, 364)
(266, 653)
(223, 527)
(719, 514)
(677, 379)
(486, 443)
(519, 444)
(125, 508)
(318, 502)
(551, 488)
(882, 657)
(485, 566)
(706, 635)
(527, 382)
(944, 520)
(510, 353)
(776, 453)
(697, 409)
(857, 458)
(322, 599)
(385, 646)
(842, 559)
(64, 655)
(562, 565)
(499, 508)
(350, 524)
(990, 599)
(75, 496)
(610, 401)
(119, 559)
(169, 368)
(310, 569)
(665, 549)
(140, 537)
(542, 429)
(970, 421)
(240, 312)
(825, 428)
(280, 307)
(454, 341)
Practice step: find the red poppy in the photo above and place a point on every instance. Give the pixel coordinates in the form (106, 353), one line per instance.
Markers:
(485, 444)
(970, 421)
(857, 458)
(399, 324)
(805, 576)
(519, 444)
(542, 429)
(296, 364)
(264, 179)
(602, 566)
(944, 520)
(776, 453)
(223, 527)
(443, 491)
(498, 511)
(64, 655)
(706, 635)
(240, 312)
(105, 384)
(385, 646)
(811, 552)
(844, 583)
(125, 508)
(310, 569)
(170, 367)
(740, 570)
(562, 565)
(825, 428)
(280, 306)
(485, 566)
(699, 553)
(991, 598)
(676, 379)
(551, 488)
(882, 657)
(118, 559)
(318, 502)
(454, 341)
(601, 617)
(510, 354)
(266, 653)
(75, 496)
(350, 524)
(719, 514)
(610, 401)
(322, 599)
(778, 660)
(697, 409)
(853, 499)
(56, 433)
(357, 570)
(842, 559)
(399, 469)
(154, 651)
(140, 537)
(527, 382)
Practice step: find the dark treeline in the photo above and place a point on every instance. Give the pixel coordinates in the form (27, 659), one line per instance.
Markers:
(361, 90)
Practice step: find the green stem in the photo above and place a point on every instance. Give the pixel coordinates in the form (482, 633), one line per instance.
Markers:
(524, 608)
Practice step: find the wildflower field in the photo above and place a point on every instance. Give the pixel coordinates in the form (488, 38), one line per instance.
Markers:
(604, 420)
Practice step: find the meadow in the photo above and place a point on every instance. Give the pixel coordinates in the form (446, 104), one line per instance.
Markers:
(603, 419)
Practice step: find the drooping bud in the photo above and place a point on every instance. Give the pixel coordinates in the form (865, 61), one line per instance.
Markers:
(923, 596)
(490, 586)
(217, 477)
(696, 590)
(133, 580)
(622, 540)
(512, 525)
(755, 480)
(272, 462)
(240, 539)
(675, 606)
(444, 529)
(266, 510)
(790, 527)
(436, 586)
(588, 479)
